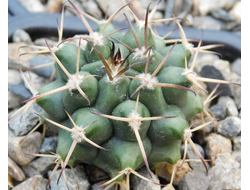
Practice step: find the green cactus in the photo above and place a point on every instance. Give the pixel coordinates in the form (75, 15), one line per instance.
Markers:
(124, 102)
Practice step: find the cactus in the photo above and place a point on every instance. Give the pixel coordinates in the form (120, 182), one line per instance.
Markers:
(123, 102)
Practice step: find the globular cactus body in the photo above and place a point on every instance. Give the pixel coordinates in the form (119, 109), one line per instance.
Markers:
(122, 102)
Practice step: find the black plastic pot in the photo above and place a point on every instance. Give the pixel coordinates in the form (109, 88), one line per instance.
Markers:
(45, 25)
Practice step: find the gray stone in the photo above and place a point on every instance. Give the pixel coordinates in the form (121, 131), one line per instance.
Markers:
(225, 174)
(236, 11)
(94, 187)
(20, 90)
(44, 71)
(19, 149)
(230, 127)
(236, 155)
(219, 111)
(15, 171)
(91, 8)
(237, 143)
(113, 6)
(32, 5)
(138, 183)
(21, 36)
(14, 60)
(221, 14)
(39, 166)
(206, 6)
(230, 105)
(207, 23)
(14, 101)
(217, 144)
(21, 126)
(42, 42)
(10, 133)
(236, 89)
(37, 80)
(192, 155)
(231, 26)
(14, 76)
(236, 66)
(209, 71)
(34, 183)
(195, 180)
(166, 170)
(49, 145)
(80, 177)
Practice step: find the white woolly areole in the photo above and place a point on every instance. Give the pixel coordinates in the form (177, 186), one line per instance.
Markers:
(103, 21)
(76, 135)
(74, 81)
(147, 78)
(97, 38)
(139, 53)
(187, 72)
(188, 46)
(187, 134)
(136, 123)
(141, 24)
(115, 79)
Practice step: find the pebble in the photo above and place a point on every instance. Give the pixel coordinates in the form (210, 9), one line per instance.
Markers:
(166, 171)
(209, 71)
(41, 42)
(36, 182)
(179, 6)
(32, 5)
(18, 150)
(20, 90)
(230, 105)
(225, 174)
(21, 36)
(230, 127)
(195, 165)
(110, 7)
(236, 89)
(44, 71)
(49, 145)
(204, 59)
(14, 101)
(237, 143)
(221, 14)
(14, 60)
(80, 177)
(206, 6)
(15, 171)
(37, 80)
(39, 166)
(139, 183)
(23, 126)
(236, 155)
(14, 76)
(207, 23)
(168, 187)
(217, 144)
(236, 11)
(235, 67)
(54, 6)
(194, 180)
(92, 8)
(219, 111)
